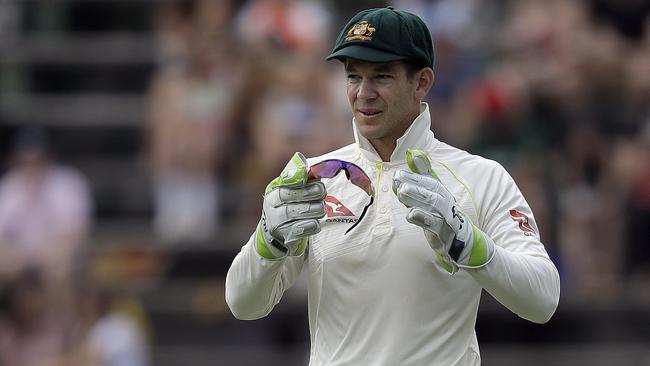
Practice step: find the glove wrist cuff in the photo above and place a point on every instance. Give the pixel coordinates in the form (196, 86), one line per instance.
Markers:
(482, 250)
(272, 249)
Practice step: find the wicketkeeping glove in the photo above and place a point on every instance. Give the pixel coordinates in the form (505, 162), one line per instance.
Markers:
(290, 212)
(456, 241)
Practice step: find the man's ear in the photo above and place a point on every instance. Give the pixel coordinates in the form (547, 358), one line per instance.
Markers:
(424, 81)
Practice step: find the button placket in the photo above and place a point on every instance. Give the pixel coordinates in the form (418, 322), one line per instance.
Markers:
(384, 222)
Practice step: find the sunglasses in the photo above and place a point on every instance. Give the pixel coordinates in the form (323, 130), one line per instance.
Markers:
(332, 167)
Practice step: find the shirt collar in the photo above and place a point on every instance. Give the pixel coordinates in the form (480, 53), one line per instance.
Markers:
(417, 136)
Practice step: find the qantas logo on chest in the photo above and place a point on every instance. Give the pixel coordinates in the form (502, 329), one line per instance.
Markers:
(522, 220)
(337, 212)
(335, 208)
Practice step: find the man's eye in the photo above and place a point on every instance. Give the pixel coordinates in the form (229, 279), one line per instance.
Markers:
(353, 77)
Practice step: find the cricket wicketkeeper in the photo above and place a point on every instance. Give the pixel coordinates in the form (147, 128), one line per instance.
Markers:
(398, 233)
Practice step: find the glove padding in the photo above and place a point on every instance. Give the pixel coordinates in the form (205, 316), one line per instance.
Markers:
(456, 241)
(290, 212)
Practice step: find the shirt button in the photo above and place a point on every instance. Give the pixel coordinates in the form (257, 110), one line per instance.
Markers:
(384, 188)
(383, 210)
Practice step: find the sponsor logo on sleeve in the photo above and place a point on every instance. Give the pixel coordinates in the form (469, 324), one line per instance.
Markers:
(522, 220)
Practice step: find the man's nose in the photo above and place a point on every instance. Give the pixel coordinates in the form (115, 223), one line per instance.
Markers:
(366, 90)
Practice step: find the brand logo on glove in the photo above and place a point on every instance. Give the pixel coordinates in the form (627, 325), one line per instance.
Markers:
(455, 214)
(264, 227)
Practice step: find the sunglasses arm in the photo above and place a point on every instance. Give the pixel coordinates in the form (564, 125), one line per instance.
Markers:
(363, 213)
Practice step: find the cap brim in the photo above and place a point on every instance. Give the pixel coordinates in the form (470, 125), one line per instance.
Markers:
(365, 54)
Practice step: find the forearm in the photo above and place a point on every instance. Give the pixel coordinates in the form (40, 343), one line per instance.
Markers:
(254, 285)
(528, 285)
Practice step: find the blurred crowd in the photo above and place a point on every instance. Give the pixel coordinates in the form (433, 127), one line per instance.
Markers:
(236, 92)
(54, 309)
(558, 91)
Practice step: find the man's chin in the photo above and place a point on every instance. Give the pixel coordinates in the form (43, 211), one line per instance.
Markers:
(370, 132)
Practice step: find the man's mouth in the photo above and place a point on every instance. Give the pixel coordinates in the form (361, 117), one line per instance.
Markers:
(369, 112)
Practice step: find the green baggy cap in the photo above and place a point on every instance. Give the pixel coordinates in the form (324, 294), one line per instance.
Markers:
(384, 35)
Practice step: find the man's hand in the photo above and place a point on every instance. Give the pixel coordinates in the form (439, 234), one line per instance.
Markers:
(456, 241)
(290, 212)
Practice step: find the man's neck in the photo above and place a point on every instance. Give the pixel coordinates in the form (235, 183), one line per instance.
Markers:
(384, 147)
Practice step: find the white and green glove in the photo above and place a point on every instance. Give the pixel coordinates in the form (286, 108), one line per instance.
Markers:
(456, 241)
(290, 212)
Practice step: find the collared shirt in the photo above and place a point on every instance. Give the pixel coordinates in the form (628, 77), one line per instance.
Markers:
(376, 294)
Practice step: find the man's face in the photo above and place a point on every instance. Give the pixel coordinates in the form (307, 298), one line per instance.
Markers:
(383, 98)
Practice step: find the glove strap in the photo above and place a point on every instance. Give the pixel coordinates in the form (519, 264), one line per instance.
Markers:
(274, 250)
(455, 249)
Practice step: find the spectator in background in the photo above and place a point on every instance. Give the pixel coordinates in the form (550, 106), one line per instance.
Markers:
(45, 218)
(171, 31)
(98, 328)
(291, 100)
(116, 339)
(110, 329)
(45, 211)
(32, 331)
(293, 115)
(175, 21)
(447, 19)
(300, 27)
(191, 124)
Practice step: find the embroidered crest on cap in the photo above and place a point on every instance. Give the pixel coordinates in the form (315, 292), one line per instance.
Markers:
(361, 31)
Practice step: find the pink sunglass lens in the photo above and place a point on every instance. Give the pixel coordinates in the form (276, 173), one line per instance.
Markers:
(331, 168)
(359, 178)
(326, 169)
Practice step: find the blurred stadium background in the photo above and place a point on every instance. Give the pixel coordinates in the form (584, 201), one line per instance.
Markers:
(155, 125)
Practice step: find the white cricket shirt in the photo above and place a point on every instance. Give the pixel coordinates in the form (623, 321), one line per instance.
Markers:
(377, 295)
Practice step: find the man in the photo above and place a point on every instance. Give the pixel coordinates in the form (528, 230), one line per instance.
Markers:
(403, 286)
